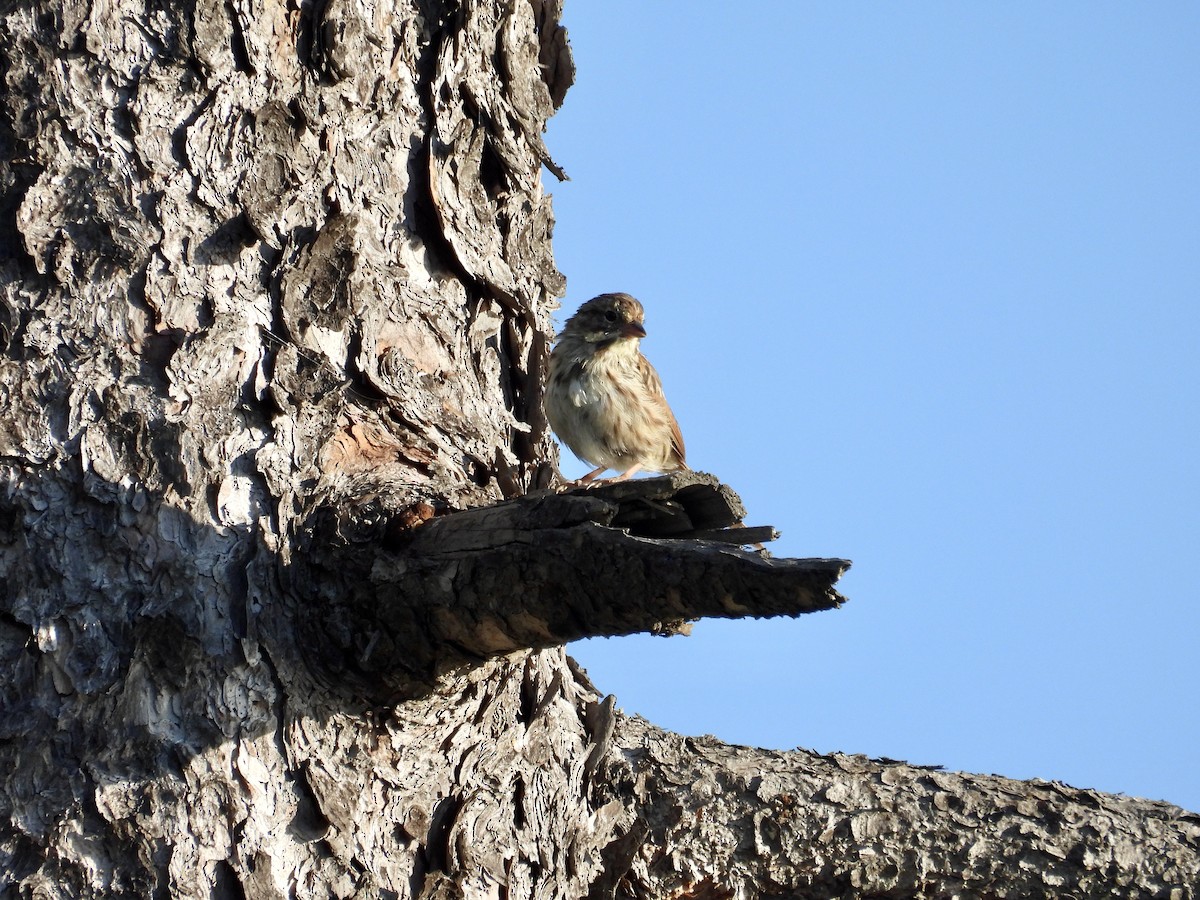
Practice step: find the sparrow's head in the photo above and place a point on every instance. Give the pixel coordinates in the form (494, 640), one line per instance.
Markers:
(607, 318)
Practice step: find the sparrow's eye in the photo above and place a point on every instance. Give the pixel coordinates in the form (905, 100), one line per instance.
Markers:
(610, 315)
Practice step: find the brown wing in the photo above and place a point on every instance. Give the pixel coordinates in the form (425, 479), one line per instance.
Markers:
(654, 388)
(677, 442)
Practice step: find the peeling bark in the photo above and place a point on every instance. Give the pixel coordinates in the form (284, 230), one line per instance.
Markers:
(282, 588)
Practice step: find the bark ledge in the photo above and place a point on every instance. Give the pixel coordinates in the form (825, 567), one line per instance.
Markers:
(548, 568)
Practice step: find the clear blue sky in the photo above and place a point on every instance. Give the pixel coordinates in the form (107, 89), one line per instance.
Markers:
(923, 285)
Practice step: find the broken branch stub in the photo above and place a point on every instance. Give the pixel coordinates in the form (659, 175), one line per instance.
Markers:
(549, 568)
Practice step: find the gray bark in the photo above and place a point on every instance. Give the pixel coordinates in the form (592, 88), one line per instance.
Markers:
(282, 587)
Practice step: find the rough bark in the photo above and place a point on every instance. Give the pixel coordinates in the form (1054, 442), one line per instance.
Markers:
(275, 619)
(727, 821)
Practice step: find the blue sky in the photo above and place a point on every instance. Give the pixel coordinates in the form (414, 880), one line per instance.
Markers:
(923, 284)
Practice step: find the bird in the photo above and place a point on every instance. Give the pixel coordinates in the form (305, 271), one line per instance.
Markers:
(604, 399)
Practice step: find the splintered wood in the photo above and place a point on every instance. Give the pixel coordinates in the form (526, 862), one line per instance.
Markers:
(692, 505)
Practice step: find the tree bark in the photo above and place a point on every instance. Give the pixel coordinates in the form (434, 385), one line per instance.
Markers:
(285, 569)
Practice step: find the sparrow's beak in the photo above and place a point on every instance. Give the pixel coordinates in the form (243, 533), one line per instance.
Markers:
(633, 329)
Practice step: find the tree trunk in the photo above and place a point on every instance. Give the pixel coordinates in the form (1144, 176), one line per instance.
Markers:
(284, 588)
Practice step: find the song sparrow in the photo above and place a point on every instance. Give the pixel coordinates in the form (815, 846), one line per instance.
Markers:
(604, 399)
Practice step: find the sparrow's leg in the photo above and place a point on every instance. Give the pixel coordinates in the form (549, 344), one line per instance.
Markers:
(627, 474)
(590, 479)
(591, 476)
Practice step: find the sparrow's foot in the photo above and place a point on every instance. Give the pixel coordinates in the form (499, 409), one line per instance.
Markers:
(594, 483)
(590, 477)
(590, 480)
